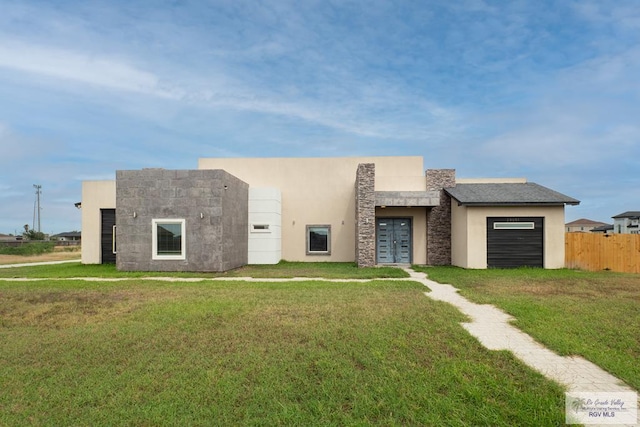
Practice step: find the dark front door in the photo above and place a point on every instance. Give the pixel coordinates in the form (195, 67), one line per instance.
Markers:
(107, 236)
(515, 242)
(393, 240)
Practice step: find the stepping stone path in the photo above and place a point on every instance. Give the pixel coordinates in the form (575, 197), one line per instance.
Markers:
(492, 328)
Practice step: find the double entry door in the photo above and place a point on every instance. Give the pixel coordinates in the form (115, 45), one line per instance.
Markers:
(393, 240)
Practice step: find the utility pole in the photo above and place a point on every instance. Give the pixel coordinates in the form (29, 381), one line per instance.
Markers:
(38, 192)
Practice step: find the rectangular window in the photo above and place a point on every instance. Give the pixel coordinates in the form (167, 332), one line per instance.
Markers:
(318, 240)
(260, 228)
(168, 239)
(513, 226)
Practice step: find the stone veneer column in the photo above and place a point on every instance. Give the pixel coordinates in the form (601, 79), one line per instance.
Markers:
(365, 215)
(439, 218)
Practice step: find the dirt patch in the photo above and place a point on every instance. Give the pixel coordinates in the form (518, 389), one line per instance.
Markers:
(53, 256)
(62, 309)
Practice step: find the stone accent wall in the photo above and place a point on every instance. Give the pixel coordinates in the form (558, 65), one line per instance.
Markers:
(365, 215)
(213, 203)
(439, 217)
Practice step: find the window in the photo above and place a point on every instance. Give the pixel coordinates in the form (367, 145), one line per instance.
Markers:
(318, 240)
(260, 228)
(513, 226)
(168, 239)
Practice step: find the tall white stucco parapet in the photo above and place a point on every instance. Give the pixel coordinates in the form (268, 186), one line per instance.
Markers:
(322, 191)
(96, 195)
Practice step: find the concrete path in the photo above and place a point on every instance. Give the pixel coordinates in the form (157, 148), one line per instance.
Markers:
(29, 264)
(492, 328)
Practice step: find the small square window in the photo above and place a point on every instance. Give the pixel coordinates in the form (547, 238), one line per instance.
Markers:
(168, 239)
(318, 240)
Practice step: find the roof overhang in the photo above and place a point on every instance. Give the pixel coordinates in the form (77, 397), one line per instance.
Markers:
(407, 198)
(508, 194)
(498, 204)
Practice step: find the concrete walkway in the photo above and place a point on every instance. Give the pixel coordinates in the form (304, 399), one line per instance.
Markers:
(29, 264)
(492, 328)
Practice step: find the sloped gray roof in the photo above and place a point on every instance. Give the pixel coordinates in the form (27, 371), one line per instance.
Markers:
(68, 234)
(492, 194)
(628, 214)
(602, 228)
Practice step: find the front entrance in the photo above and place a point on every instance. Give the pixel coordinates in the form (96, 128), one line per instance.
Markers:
(393, 240)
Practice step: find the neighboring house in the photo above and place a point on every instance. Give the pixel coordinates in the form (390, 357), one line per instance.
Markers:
(583, 225)
(69, 236)
(605, 229)
(371, 210)
(9, 238)
(627, 223)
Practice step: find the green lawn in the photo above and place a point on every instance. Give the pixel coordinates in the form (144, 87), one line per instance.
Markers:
(594, 315)
(285, 269)
(142, 352)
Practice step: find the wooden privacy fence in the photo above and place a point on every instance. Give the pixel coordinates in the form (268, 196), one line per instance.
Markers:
(595, 252)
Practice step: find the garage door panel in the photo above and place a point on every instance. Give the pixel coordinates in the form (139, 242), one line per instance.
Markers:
(515, 242)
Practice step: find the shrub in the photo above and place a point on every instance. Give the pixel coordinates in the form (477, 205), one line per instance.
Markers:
(29, 248)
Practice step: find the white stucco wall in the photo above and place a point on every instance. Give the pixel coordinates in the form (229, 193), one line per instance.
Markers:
(96, 195)
(321, 191)
(265, 210)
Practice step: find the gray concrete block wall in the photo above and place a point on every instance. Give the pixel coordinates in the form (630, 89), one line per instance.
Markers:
(365, 215)
(439, 217)
(234, 223)
(213, 203)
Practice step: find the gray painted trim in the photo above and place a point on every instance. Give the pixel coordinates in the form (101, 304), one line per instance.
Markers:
(307, 250)
(407, 198)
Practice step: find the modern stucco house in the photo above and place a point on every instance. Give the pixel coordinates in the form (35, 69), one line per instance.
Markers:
(372, 210)
(627, 223)
(584, 225)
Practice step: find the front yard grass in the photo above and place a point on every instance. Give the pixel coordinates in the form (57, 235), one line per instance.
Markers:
(284, 269)
(594, 315)
(142, 352)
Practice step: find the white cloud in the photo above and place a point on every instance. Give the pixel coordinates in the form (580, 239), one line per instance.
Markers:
(583, 115)
(80, 67)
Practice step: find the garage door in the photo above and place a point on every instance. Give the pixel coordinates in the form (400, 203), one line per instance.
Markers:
(515, 242)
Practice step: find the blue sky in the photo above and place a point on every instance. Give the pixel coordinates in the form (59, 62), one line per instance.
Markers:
(548, 90)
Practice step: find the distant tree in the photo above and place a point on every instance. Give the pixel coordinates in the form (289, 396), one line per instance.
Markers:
(32, 234)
